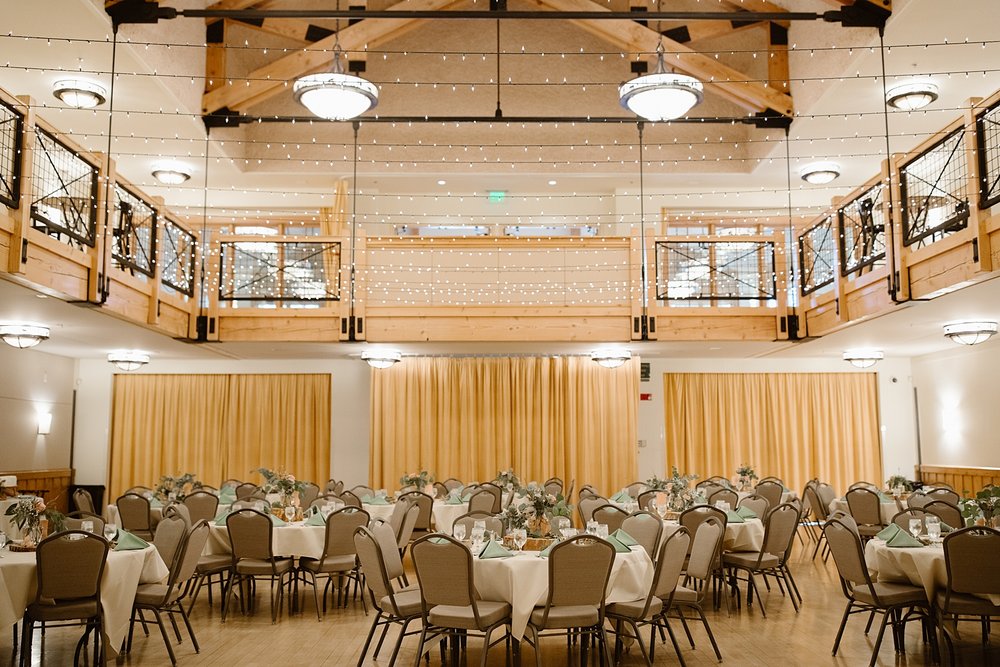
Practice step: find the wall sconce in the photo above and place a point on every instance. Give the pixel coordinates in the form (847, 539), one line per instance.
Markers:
(44, 423)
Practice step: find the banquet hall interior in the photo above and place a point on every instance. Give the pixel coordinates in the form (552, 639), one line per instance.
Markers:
(616, 244)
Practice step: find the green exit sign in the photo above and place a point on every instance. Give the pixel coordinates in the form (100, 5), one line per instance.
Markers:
(496, 196)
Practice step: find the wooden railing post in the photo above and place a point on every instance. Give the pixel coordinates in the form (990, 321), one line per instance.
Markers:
(18, 257)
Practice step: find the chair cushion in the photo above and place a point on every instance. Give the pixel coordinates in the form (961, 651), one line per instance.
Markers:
(155, 594)
(961, 603)
(214, 563)
(891, 594)
(449, 616)
(633, 608)
(329, 564)
(263, 567)
(566, 616)
(63, 611)
(869, 531)
(686, 595)
(749, 560)
(408, 603)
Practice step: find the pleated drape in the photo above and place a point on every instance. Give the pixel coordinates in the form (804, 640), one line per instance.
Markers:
(795, 426)
(218, 426)
(471, 417)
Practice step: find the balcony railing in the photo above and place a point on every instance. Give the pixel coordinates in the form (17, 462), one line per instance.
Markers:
(267, 269)
(988, 140)
(710, 270)
(177, 253)
(63, 191)
(862, 232)
(817, 256)
(134, 232)
(933, 189)
(11, 130)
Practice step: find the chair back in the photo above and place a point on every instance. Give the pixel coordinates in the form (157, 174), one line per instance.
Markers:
(726, 495)
(362, 490)
(972, 560)
(452, 483)
(440, 490)
(917, 500)
(309, 493)
(202, 505)
(771, 478)
(902, 519)
(646, 499)
(245, 490)
(635, 488)
(169, 535)
(820, 510)
(133, 510)
(827, 494)
(646, 528)
(587, 505)
(706, 547)
(248, 504)
(693, 517)
(69, 568)
(444, 570)
(771, 490)
(610, 515)
(845, 545)
(141, 490)
(340, 527)
(497, 493)
(579, 569)
(350, 498)
(862, 485)
(399, 510)
(83, 501)
(481, 501)
(425, 504)
(326, 498)
(250, 535)
(370, 556)
(189, 554)
(554, 482)
(180, 510)
(386, 538)
(947, 495)
(757, 504)
(74, 521)
(947, 512)
(587, 491)
(331, 486)
(865, 506)
(493, 523)
(779, 530)
(670, 563)
(231, 482)
(707, 488)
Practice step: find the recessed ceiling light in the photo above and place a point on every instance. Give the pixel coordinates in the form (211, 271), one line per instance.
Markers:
(171, 173)
(911, 96)
(819, 173)
(442, 182)
(80, 93)
(553, 182)
(863, 358)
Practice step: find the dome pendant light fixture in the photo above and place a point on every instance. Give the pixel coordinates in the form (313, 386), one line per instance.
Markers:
(820, 173)
(335, 95)
(661, 95)
(79, 93)
(911, 96)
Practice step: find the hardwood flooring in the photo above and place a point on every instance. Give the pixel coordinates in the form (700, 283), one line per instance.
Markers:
(745, 637)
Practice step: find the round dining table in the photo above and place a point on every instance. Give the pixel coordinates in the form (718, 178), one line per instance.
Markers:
(294, 540)
(746, 536)
(123, 572)
(443, 513)
(887, 508)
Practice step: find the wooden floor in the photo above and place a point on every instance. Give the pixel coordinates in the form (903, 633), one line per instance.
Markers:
(745, 637)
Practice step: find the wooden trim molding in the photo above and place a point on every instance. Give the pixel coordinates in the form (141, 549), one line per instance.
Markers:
(964, 480)
(55, 484)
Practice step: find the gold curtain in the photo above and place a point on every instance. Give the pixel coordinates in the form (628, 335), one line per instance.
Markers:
(795, 426)
(218, 426)
(471, 417)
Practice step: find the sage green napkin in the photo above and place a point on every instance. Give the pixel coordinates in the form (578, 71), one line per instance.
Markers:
(316, 520)
(374, 500)
(888, 532)
(154, 502)
(221, 520)
(945, 528)
(494, 549)
(619, 547)
(276, 521)
(437, 540)
(746, 513)
(624, 538)
(129, 542)
(453, 500)
(734, 517)
(621, 497)
(544, 553)
(903, 539)
(227, 496)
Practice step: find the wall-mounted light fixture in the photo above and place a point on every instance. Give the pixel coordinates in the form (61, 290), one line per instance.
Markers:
(44, 423)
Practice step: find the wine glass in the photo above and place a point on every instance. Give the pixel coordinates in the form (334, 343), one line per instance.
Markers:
(3, 542)
(110, 531)
(915, 527)
(520, 538)
(289, 513)
(458, 531)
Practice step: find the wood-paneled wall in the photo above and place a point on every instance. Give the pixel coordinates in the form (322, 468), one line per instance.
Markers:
(964, 480)
(56, 483)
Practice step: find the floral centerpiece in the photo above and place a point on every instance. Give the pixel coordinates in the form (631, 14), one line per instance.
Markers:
(278, 481)
(539, 506)
(985, 505)
(677, 488)
(421, 480)
(899, 483)
(506, 479)
(745, 476)
(28, 514)
(176, 488)
(515, 517)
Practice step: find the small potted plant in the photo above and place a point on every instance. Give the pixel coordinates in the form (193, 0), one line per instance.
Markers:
(898, 485)
(745, 477)
(983, 509)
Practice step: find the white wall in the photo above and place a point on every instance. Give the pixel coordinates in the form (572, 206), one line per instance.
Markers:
(899, 453)
(957, 397)
(350, 381)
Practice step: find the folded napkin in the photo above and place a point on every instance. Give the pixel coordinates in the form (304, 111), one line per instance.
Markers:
(746, 513)
(374, 500)
(453, 500)
(494, 549)
(153, 502)
(221, 520)
(466, 498)
(544, 553)
(884, 498)
(618, 545)
(888, 532)
(621, 497)
(316, 520)
(734, 517)
(129, 542)
(276, 521)
(624, 538)
(437, 540)
(903, 539)
(945, 528)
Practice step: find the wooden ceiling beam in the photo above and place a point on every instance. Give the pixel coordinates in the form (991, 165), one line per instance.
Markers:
(726, 81)
(273, 78)
(777, 58)
(757, 6)
(687, 33)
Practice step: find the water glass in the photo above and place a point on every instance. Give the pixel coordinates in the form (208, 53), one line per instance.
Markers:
(289, 513)
(87, 526)
(592, 527)
(3, 542)
(520, 538)
(567, 532)
(933, 528)
(110, 531)
(458, 531)
(602, 530)
(916, 525)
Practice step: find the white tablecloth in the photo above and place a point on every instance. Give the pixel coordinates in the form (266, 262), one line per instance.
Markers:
(920, 566)
(445, 514)
(746, 536)
(888, 509)
(523, 581)
(293, 540)
(786, 496)
(123, 572)
(378, 511)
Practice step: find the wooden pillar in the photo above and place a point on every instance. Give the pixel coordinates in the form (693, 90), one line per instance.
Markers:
(22, 219)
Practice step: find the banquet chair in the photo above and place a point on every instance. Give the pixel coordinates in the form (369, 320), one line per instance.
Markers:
(249, 504)
(771, 490)
(141, 490)
(84, 501)
(309, 493)
(757, 504)
(866, 508)
(579, 569)
(169, 537)
(339, 557)
(725, 495)
(493, 523)
(69, 567)
(649, 610)
(940, 493)
(425, 504)
(177, 509)
(947, 512)
(771, 478)
(972, 564)
(331, 486)
(821, 513)
(392, 606)
(481, 501)
(247, 490)
(647, 499)
(202, 505)
(440, 490)
(635, 488)
(646, 528)
(705, 551)
(862, 485)
(497, 494)
(902, 519)
(587, 491)
(610, 515)
(867, 597)
(166, 598)
(390, 552)
(404, 535)
(350, 498)
(362, 490)
(917, 500)
(452, 483)
(232, 481)
(325, 498)
(449, 605)
(399, 509)
(252, 557)
(693, 517)
(709, 486)
(553, 485)
(586, 506)
(772, 559)
(74, 521)
(133, 511)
